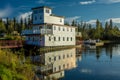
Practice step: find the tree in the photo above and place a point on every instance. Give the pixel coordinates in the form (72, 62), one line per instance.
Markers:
(111, 24)
(14, 21)
(2, 27)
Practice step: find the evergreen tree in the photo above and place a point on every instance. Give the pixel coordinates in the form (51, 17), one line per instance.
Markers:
(2, 27)
(111, 24)
(14, 21)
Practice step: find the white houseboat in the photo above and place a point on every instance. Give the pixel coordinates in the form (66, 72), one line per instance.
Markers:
(48, 29)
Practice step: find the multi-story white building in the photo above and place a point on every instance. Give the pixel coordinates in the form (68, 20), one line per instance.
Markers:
(49, 29)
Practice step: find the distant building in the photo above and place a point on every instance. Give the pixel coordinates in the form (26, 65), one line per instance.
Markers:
(48, 29)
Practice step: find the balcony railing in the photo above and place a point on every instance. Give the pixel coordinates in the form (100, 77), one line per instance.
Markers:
(41, 31)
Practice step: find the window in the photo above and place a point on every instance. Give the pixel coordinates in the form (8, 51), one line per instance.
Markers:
(67, 38)
(35, 18)
(59, 38)
(61, 74)
(54, 38)
(49, 59)
(47, 10)
(59, 57)
(40, 17)
(54, 58)
(49, 38)
(67, 55)
(71, 55)
(59, 28)
(63, 29)
(71, 38)
(67, 29)
(59, 67)
(63, 38)
(63, 65)
(60, 20)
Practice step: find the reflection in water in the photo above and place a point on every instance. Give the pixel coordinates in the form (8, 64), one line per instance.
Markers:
(54, 63)
(86, 63)
(102, 63)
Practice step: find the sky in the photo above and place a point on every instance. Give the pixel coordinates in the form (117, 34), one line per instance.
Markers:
(80, 10)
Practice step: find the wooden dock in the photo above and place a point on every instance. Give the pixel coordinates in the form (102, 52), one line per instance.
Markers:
(11, 43)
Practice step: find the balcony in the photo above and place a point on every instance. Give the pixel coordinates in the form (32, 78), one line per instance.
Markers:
(41, 31)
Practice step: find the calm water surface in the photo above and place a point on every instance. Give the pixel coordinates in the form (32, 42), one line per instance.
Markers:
(100, 63)
(89, 63)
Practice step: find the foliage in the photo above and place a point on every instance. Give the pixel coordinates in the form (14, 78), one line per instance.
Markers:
(107, 32)
(11, 67)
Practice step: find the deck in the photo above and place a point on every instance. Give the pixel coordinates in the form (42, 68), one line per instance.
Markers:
(11, 43)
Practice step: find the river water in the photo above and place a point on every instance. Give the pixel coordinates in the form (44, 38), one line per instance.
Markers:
(88, 63)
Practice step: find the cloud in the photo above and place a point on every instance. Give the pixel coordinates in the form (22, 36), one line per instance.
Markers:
(24, 15)
(6, 12)
(108, 1)
(91, 22)
(70, 19)
(87, 2)
(114, 20)
(113, 1)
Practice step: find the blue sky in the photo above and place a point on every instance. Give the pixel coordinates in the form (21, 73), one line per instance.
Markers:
(86, 10)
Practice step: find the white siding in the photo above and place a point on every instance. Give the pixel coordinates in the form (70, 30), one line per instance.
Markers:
(53, 20)
(62, 34)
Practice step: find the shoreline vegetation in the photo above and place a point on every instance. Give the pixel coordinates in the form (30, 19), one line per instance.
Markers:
(13, 68)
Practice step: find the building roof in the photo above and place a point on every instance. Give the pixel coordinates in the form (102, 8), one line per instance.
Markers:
(41, 7)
